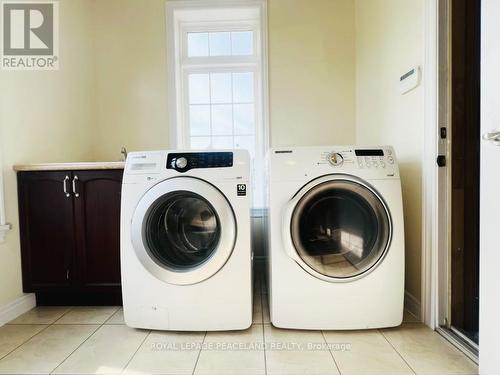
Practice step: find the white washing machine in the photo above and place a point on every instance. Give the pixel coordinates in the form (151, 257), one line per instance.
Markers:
(336, 238)
(186, 256)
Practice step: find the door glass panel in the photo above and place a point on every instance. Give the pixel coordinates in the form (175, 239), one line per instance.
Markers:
(340, 229)
(182, 230)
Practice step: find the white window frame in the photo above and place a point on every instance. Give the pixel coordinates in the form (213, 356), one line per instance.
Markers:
(189, 65)
(179, 65)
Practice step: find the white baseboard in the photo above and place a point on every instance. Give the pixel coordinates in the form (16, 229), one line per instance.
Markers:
(412, 304)
(17, 307)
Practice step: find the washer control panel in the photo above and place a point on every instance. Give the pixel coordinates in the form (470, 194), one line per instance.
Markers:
(183, 162)
(336, 159)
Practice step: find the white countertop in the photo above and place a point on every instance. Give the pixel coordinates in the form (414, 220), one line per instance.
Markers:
(70, 166)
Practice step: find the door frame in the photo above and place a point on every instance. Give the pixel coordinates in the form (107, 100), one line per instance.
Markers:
(436, 215)
(434, 77)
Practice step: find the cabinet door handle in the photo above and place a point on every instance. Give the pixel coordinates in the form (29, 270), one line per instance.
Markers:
(65, 186)
(75, 179)
(67, 274)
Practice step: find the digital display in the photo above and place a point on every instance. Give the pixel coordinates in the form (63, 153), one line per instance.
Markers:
(369, 152)
(194, 160)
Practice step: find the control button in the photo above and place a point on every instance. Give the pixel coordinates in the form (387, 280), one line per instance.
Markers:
(336, 159)
(368, 165)
(181, 163)
(375, 164)
(390, 159)
(382, 164)
(389, 152)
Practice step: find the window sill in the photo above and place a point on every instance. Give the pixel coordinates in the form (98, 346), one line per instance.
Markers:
(3, 230)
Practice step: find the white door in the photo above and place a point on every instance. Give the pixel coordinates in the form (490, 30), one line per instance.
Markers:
(489, 310)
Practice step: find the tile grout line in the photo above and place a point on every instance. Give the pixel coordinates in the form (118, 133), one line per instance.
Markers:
(397, 351)
(136, 351)
(78, 347)
(261, 287)
(331, 354)
(28, 339)
(42, 330)
(199, 353)
(263, 332)
(261, 302)
(118, 309)
(66, 312)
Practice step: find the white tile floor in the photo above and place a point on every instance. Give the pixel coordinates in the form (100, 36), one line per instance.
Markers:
(94, 340)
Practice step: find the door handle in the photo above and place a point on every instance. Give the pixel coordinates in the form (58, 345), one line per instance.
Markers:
(75, 179)
(65, 186)
(493, 136)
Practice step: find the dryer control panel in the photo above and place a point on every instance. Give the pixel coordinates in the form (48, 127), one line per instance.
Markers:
(306, 162)
(183, 162)
(360, 158)
(374, 158)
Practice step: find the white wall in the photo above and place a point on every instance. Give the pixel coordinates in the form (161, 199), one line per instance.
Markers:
(389, 42)
(130, 82)
(44, 117)
(311, 72)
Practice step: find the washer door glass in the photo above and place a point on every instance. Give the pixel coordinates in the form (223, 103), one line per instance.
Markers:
(340, 228)
(181, 230)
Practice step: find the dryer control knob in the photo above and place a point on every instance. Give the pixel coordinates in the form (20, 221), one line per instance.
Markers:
(336, 159)
(181, 163)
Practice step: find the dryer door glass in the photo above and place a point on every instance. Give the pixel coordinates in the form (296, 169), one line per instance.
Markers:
(340, 228)
(181, 230)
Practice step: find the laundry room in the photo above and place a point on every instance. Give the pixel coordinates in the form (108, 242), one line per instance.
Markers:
(233, 187)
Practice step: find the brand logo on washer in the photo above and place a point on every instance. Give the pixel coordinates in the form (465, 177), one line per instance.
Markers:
(241, 189)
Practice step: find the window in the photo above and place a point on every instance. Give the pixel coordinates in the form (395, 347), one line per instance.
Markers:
(218, 75)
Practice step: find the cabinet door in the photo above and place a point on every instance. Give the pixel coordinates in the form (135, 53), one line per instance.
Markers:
(46, 228)
(97, 196)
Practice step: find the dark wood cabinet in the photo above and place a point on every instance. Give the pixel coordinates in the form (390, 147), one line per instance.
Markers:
(97, 223)
(70, 235)
(47, 230)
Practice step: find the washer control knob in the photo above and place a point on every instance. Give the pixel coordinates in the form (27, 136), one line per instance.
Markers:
(336, 159)
(181, 163)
